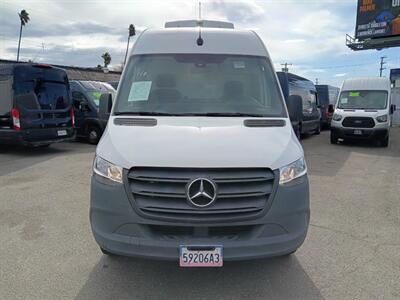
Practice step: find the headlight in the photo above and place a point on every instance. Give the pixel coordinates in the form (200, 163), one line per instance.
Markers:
(336, 117)
(292, 171)
(107, 170)
(382, 119)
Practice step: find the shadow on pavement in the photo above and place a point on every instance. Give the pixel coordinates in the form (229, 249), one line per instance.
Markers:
(14, 158)
(123, 278)
(326, 159)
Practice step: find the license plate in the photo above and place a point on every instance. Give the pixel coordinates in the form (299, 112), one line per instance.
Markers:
(61, 132)
(201, 256)
(358, 132)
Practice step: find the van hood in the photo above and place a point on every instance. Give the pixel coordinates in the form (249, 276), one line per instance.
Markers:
(373, 113)
(199, 142)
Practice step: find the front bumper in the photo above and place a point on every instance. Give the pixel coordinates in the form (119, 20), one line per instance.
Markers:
(118, 229)
(367, 133)
(35, 137)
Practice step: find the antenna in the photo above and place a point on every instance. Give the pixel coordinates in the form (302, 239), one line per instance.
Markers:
(200, 40)
(199, 11)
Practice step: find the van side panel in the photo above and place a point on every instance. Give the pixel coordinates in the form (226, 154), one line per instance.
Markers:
(6, 95)
(307, 91)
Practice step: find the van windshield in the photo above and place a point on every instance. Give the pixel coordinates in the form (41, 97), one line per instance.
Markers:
(200, 84)
(363, 100)
(96, 89)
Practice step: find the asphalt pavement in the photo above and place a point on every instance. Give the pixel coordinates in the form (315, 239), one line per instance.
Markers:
(352, 250)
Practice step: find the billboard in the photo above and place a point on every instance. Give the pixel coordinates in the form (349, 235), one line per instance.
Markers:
(377, 19)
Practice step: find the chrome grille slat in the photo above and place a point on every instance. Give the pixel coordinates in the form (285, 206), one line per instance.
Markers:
(187, 211)
(161, 192)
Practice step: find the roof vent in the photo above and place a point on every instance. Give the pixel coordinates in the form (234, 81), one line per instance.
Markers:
(146, 122)
(264, 123)
(199, 23)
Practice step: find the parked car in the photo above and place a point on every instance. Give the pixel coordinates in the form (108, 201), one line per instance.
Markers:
(309, 115)
(114, 84)
(363, 111)
(35, 105)
(86, 97)
(199, 162)
(327, 97)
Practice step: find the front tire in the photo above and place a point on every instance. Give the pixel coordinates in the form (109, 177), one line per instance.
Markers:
(93, 134)
(105, 252)
(318, 130)
(298, 132)
(334, 138)
(384, 142)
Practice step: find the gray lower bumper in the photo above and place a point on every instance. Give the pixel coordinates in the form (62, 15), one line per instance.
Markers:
(366, 133)
(119, 229)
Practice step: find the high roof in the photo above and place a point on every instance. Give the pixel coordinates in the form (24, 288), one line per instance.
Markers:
(366, 83)
(183, 40)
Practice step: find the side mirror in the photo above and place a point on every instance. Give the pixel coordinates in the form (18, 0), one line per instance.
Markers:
(105, 105)
(392, 109)
(295, 107)
(331, 109)
(84, 106)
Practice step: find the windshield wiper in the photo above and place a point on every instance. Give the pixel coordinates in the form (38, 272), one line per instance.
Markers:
(142, 113)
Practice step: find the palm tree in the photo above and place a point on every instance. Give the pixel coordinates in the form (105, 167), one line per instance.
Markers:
(107, 59)
(24, 18)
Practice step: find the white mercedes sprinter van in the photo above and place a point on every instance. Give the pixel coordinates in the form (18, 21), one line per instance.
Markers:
(363, 111)
(199, 162)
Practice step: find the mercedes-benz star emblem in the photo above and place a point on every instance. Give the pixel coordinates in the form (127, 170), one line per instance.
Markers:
(201, 192)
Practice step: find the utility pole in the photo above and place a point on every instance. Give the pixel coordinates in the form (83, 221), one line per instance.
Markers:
(383, 62)
(132, 32)
(285, 68)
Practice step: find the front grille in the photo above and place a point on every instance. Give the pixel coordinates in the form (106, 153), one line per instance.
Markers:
(161, 192)
(221, 233)
(358, 122)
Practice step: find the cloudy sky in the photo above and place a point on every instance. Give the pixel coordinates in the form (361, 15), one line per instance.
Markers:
(309, 34)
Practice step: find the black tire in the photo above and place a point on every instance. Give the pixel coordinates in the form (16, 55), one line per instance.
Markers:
(93, 134)
(318, 130)
(105, 252)
(334, 138)
(298, 133)
(384, 142)
(44, 146)
(287, 255)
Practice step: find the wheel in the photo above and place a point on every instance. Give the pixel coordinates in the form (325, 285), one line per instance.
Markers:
(44, 146)
(318, 130)
(334, 138)
(298, 133)
(384, 142)
(93, 134)
(105, 252)
(287, 255)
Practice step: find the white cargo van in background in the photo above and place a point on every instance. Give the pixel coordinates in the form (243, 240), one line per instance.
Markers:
(363, 111)
(199, 162)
